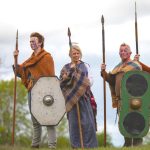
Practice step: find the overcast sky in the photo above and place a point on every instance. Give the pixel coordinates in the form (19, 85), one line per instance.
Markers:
(52, 18)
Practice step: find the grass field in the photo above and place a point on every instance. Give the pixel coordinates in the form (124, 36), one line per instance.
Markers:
(99, 148)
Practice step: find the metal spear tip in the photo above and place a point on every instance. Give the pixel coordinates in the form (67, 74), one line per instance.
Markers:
(17, 34)
(102, 19)
(17, 40)
(135, 8)
(135, 3)
(69, 32)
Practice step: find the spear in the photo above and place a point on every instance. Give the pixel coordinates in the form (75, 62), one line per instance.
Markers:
(104, 81)
(77, 104)
(136, 31)
(15, 86)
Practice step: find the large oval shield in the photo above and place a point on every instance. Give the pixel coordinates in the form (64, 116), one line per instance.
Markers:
(47, 101)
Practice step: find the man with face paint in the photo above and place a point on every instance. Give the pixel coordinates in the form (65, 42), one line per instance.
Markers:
(39, 64)
(114, 79)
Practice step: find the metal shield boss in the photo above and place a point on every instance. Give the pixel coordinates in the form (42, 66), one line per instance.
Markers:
(47, 101)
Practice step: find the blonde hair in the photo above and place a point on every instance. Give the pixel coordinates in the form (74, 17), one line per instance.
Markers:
(127, 46)
(76, 47)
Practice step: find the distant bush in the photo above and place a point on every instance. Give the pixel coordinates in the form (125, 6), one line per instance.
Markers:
(100, 138)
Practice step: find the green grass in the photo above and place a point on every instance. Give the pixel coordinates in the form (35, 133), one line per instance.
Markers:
(6, 147)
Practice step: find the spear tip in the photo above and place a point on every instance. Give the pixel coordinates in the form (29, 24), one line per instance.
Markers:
(135, 6)
(69, 33)
(17, 40)
(102, 19)
(17, 34)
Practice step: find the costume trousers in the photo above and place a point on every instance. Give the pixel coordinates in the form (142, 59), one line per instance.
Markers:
(37, 131)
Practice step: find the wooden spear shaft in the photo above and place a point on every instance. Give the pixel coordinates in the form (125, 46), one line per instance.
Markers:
(79, 124)
(104, 81)
(136, 31)
(15, 86)
(77, 104)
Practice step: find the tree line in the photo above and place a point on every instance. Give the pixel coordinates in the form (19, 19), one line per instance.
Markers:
(23, 127)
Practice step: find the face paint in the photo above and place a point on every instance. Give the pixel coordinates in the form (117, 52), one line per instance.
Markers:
(34, 43)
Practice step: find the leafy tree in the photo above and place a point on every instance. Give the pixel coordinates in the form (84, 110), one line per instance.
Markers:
(23, 129)
(23, 126)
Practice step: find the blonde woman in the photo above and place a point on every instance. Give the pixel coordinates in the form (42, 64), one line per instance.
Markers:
(75, 85)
